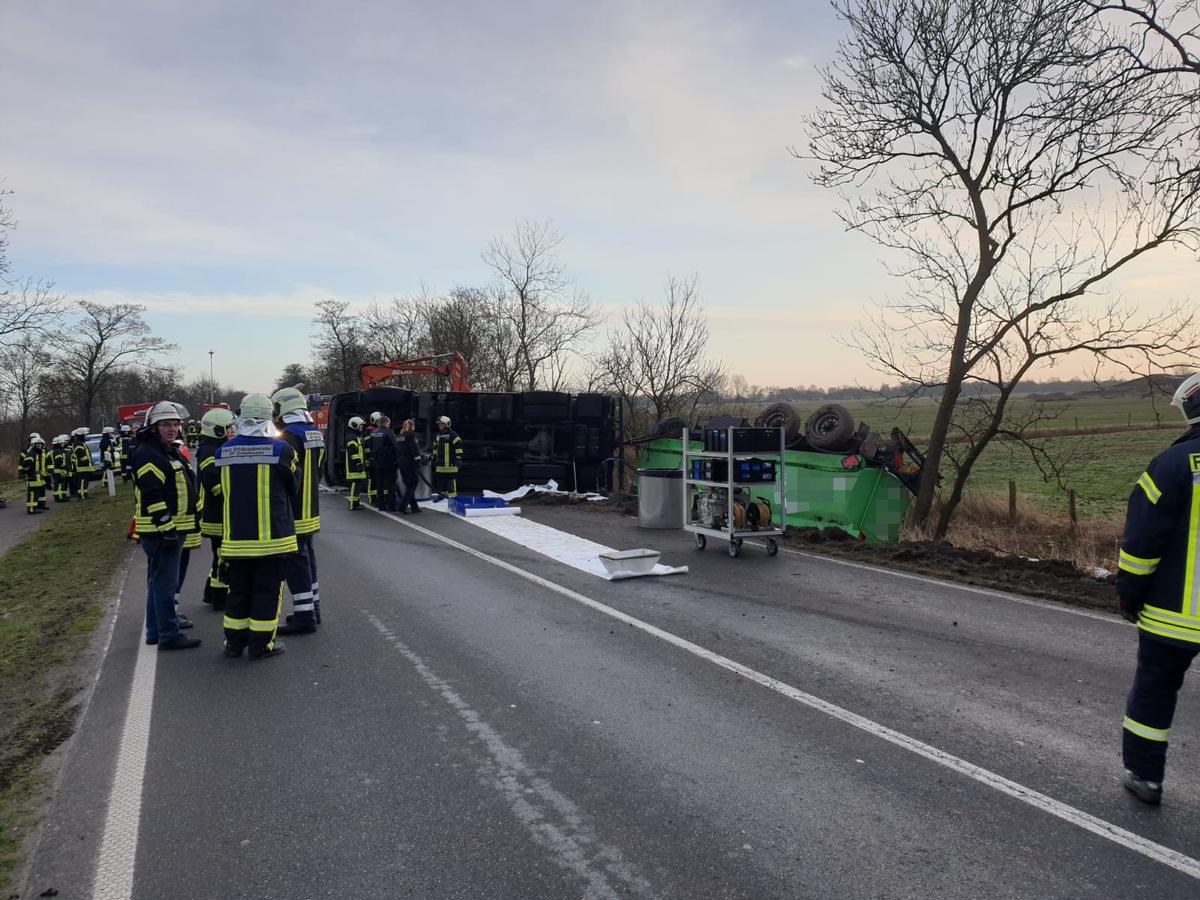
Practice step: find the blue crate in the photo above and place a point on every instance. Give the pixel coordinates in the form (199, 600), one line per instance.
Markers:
(460, 505)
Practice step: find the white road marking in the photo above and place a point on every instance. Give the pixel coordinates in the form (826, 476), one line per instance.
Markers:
(118, 847)
(1157, 852)
(551, 818)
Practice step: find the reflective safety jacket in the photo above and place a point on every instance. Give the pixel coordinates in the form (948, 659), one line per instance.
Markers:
(258, 486)
(447, 451)
(34, 466)
(1159, 565)
(107, 449)
(125, 442)
(212, 509)
(165, 489)
(60, 460)
(81, 456)
(356, 460)
(308, 442)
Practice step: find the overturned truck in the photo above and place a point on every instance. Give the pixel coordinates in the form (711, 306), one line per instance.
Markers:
(509, 439)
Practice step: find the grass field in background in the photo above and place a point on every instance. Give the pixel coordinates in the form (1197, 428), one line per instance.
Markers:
(1100, 468)
(52, 595)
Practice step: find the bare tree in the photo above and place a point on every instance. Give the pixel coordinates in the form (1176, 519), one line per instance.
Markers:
(22, 365)
(294, 374)
(539, 317)
(1016, 166)
(339, 342)
(657, 363)
(1160, 37)
(102, 342)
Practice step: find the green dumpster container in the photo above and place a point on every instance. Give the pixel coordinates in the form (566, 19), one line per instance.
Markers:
(822, 491)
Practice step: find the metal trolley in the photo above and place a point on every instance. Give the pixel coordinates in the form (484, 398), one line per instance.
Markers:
(732, 507)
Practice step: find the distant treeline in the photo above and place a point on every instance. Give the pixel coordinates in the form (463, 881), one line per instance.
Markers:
(1060, 389)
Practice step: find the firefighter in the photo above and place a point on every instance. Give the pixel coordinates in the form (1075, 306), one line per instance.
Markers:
(192, 433)
(60, 462)
(372, 488)
(447, 458)
(385, 459)
(1157, 573)
(33, 466)
(297, 429)
(82, 466)
(356, 463)
(216, 427)
(258, 484)
(164, 515)
(108, 447)
(125, 443)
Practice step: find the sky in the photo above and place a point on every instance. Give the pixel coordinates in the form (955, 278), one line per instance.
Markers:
(228, 164)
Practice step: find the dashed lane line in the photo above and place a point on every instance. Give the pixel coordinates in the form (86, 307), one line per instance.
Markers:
(1093, 824)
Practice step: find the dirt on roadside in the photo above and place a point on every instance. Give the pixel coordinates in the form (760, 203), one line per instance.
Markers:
(1050, 579)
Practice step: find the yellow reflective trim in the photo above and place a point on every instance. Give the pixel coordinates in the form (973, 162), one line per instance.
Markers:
(1194, 459)
(1191, 584)
(157, 506)
(1146, 483)
(1135, 565)
(231, 549)
(263, 625)
(237, 624)
(153, 470)
(264, 504)
(208, 461)
(1150, 734)
(1151, 627)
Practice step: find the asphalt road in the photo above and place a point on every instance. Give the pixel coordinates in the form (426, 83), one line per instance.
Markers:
(495, 724)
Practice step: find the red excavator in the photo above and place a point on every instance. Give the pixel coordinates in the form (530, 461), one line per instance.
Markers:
(451, 364)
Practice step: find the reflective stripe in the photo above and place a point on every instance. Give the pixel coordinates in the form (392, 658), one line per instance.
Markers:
(263, 624)
(231, 549)
(1135, 565)
(1191, 583)
(153, 470)
(264, 504)
(1146, 483)
(1145, 731)
(158, 506)
(303, 607)
(237, 624)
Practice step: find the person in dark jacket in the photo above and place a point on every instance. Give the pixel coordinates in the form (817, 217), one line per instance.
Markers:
(60, 460)
(356, 461)
(447, 458)
(297, 429)
(216, 427)
(410, 466)
(164, 513)
(385, 458)
(1158, 587)
(34, 466)
(81, 463)
(125, 439)
(258, 488)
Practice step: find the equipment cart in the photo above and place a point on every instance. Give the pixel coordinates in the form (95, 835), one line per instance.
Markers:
(734, 488)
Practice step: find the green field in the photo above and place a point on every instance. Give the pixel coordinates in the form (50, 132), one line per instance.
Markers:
(1100, 468)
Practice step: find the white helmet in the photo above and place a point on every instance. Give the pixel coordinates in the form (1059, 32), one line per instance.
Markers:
(376, 416)
(107, 429)
(257, 406)
(81, 431)
(217, 423)
(1187, 399)
(163, 411)
(36, 438)
(355, 423)
(444, 420)
(61, 439)
(125, 429)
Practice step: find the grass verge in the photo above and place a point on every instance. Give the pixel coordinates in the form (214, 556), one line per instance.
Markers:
(53, 592)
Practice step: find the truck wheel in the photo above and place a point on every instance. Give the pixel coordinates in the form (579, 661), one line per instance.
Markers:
(780, 415)
(830, 428)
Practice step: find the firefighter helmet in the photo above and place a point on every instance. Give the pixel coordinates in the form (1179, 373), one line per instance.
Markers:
(163, 411)
(444, 420)
(125, 429)
(1187, 399)
(217, 423)
(288, 400)
(107, 429)
(257, 406)
(376, 416)
(36, 438)
(355, 423)
(61, 439)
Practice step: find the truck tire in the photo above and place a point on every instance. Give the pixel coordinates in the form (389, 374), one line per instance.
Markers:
(830, 428)
(780, 415)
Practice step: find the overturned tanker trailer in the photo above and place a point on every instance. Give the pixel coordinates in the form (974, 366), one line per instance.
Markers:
(509, 439)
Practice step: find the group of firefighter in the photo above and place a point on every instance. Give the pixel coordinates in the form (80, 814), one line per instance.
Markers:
(255, 497)
(66, 468)
(385, 463)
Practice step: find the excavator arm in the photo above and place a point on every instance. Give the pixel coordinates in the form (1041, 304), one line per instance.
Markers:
(444, 364)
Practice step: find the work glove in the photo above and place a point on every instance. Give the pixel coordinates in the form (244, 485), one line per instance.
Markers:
(1129, 609)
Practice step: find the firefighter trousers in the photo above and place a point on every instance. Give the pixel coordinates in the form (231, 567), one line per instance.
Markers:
(35, 495)
(255, 598)
(300, 570)
(1150, 708)
(216, 589)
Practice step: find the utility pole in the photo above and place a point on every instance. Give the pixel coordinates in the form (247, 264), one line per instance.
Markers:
(212, 382)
